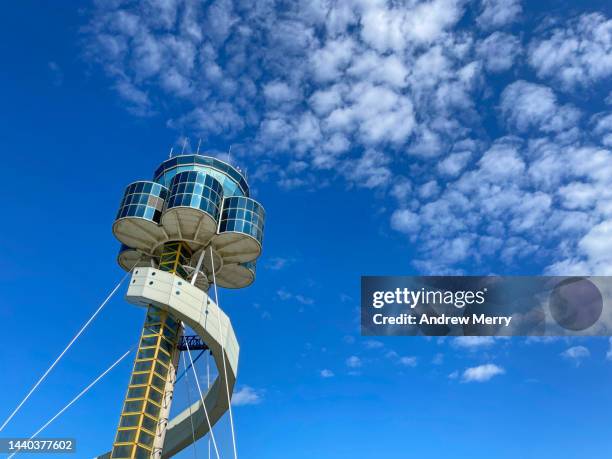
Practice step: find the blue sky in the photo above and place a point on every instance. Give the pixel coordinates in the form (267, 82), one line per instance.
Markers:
(382, 138)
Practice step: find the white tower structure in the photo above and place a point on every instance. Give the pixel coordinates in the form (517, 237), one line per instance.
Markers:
(193, 226)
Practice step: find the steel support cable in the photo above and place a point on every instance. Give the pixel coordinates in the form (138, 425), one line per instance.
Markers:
(208, 385)
(195, 454)
(60, 412)
(46, 373)
(229, 400)
(212, 435)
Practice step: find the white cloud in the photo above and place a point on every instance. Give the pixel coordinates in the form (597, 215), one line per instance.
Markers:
(329, 61)
(501, 162)
(497, 13)
(578, 195)
(278, 263)
(220, 19)
(609, 353)
(576, 354)
(407, 361)
(499, 51)
(527, 105)
(394, 28)
(454, 163)
(428, 143)
(323, 101)
(401, 189)
(218, 117)
(429, 190)
(592, 255)
(138, 100)
(277, 92)
(482, 373)
(354, 362)
(404, 221)
(379, 69)
(577, 54)
(603, 123)
(369, 171)
(597, 246)
(373, 344)
(377, 114)
(246, 395)
(473, 342)
(326, 373)
(391, 354)
(303, 299)
(285, 295)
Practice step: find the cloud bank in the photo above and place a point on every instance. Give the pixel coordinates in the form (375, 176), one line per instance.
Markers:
(479, 139)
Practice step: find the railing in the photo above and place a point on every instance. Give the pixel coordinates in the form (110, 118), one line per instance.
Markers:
(194, 341)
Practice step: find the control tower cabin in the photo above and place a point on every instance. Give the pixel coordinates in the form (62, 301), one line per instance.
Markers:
(191, 227)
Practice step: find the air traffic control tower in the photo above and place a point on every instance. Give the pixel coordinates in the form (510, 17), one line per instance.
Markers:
(192, 228)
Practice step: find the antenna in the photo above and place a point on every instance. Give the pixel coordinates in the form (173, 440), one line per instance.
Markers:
(199, 143)
(229, 155)
(171, 151)
(184, 143)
